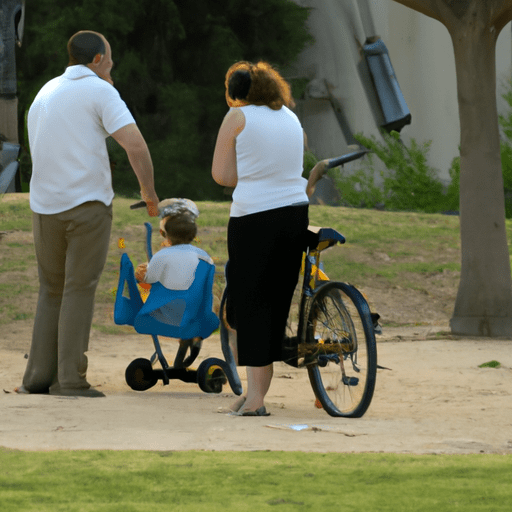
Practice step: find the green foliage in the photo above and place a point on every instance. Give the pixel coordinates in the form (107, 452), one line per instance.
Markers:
(453, 190)
(359, 188)
(506, 165)
(408, 183)
(299, 86)
(490, 364)
(505, 122)
(310, 160)
(170, 60)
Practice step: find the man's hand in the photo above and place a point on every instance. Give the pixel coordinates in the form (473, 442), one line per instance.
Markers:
(108, 79)
(152, 207)
(151, 201)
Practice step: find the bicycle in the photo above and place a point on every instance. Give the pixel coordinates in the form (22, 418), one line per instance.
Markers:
(334, 338)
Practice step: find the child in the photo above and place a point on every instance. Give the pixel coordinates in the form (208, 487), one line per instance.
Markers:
(174, 266)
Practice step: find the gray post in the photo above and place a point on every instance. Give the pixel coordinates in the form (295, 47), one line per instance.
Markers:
(12, 13)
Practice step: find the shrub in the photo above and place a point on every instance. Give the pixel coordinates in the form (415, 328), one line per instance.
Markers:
(452, 192)
(310, 160)
(359, 188)
(506, 164)
(408, 183)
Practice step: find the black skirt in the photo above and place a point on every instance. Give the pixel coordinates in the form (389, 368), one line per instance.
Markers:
(265, 254)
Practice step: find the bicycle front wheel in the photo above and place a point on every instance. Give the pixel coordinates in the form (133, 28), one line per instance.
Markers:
(340, 350)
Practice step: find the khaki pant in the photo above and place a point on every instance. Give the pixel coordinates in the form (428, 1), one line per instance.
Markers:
(71, 249)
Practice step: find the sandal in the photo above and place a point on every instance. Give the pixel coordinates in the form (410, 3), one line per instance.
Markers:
(262, 411)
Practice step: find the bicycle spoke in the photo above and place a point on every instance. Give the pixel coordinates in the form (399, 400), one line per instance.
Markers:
(340, 358)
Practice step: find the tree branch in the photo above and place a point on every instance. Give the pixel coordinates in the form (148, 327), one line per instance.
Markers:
(502, 16)
(427, 7)
(448, 12)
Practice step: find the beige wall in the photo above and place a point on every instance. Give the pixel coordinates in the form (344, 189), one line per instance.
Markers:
(422, 55)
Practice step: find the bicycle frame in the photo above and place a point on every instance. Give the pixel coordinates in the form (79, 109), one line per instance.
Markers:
(316, 243)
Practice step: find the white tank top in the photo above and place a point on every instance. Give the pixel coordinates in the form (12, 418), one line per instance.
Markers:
(269, 158)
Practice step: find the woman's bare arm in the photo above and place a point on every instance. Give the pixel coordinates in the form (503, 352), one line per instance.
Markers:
(316, 173)
(224, 170)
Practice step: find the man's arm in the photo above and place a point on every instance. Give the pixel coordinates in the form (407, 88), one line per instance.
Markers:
(132, 141)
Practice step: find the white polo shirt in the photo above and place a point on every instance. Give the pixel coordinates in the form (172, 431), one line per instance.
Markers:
(68, 123)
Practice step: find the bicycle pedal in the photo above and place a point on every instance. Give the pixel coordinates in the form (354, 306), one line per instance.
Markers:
(375, 320)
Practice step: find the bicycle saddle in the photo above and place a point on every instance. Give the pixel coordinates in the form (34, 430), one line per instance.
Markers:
(319, 239)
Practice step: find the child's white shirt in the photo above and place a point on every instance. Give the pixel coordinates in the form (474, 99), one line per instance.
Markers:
(175, 267)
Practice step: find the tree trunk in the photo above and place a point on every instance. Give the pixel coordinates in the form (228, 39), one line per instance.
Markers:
(484, 300)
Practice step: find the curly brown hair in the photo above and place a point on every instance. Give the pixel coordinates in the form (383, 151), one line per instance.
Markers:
(265, 86)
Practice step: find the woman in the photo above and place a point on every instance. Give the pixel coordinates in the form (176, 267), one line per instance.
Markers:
(259, 152)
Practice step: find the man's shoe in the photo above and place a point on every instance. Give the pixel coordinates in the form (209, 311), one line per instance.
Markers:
(22, 390)
(92, 393)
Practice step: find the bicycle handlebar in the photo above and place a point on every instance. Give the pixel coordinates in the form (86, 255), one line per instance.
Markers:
(140, 204)
(340, 160)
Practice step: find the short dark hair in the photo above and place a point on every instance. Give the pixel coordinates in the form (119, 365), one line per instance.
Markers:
(180, 228)
(84, 46)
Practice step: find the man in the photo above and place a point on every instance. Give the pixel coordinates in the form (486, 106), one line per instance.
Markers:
(71, 199)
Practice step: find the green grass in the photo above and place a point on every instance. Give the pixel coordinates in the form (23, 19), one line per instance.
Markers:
(397, 248)
(219, 481)
(388, 249)
(15, 215)
(490, 364)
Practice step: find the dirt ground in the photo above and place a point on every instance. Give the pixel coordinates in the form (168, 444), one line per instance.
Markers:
(432, 398)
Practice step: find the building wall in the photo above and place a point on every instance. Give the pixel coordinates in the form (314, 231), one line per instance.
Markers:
(421, 52)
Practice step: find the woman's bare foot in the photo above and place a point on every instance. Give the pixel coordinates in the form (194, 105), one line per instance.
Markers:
(235, 407)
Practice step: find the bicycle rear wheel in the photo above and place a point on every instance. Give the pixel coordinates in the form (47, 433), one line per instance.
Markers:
(340, 350)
